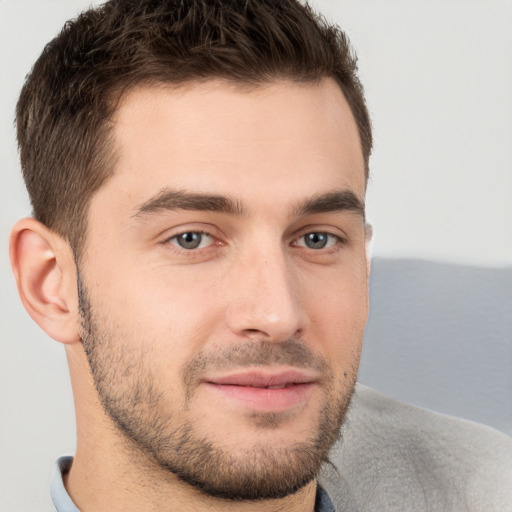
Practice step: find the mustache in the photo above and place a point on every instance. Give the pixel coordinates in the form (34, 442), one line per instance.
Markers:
(255, 353)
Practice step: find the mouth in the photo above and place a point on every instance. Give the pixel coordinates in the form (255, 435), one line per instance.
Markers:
(265, 391)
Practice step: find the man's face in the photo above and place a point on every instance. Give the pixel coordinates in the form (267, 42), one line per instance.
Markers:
(224, 283)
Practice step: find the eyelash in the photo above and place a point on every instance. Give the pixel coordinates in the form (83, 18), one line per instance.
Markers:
(338, 240)
(191, 232)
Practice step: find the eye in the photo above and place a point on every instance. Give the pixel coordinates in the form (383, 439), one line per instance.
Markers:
(192, 240)
(317, 240)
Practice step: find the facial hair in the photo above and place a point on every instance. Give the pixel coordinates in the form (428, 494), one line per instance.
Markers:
(133, 400)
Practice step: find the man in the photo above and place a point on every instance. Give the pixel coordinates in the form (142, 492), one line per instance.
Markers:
(197, 172)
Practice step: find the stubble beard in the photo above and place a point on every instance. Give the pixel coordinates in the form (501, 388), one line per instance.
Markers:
(130, 397)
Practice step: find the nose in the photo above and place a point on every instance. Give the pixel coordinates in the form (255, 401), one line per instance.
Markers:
(265, 298)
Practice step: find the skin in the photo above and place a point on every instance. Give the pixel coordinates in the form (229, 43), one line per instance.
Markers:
(252, 287)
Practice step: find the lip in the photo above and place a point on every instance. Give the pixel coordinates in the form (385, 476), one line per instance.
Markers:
(265, 391)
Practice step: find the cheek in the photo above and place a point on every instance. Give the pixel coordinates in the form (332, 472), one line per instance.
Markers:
(338, 315)
(177, 313)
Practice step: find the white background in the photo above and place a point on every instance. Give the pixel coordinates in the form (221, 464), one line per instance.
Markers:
(438, 77)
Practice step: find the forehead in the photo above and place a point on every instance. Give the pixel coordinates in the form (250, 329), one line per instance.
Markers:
(217, 137)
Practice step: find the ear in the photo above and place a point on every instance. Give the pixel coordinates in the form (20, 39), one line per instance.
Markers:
(45, 273)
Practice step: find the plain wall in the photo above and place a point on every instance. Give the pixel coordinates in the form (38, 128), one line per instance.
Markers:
(438, 77)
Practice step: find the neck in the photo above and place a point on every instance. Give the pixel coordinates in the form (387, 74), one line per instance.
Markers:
(98, 483)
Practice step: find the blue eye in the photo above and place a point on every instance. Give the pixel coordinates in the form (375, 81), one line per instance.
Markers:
(191, 240)
(317, 240)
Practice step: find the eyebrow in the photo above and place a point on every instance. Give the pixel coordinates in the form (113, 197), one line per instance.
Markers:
(179, 200)
(337, 200)
(168, 200)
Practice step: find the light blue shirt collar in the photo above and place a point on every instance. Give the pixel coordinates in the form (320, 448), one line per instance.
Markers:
(63, 503)
(60, 497)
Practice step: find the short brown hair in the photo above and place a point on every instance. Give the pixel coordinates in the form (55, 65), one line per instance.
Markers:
(66, 106)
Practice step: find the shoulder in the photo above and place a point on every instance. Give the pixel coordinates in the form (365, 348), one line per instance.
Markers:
(393, 456)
